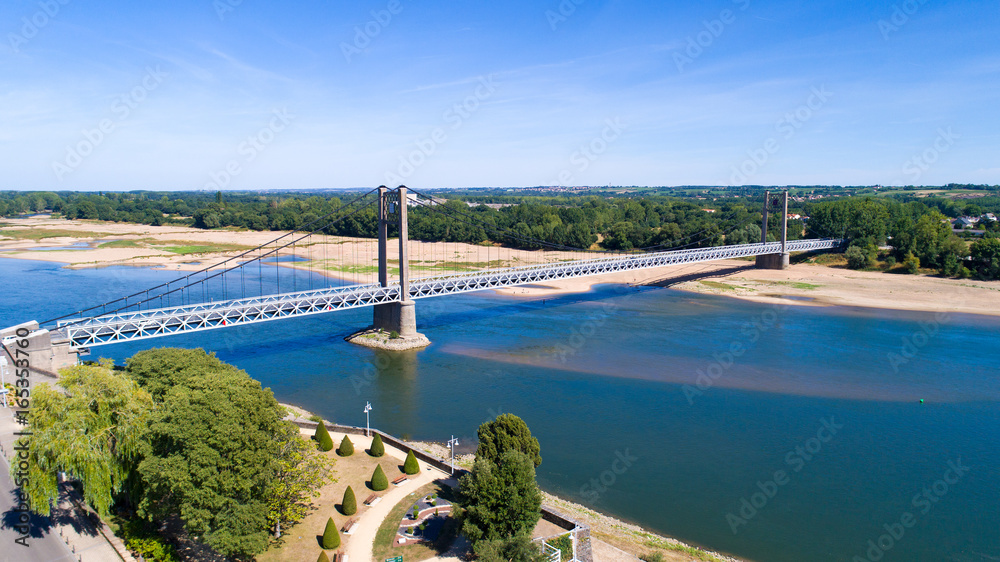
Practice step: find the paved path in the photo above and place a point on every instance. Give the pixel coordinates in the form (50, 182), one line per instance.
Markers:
(359, 544)
(64, 536)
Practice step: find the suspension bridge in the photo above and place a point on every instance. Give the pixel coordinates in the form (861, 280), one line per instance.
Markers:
(232, 292)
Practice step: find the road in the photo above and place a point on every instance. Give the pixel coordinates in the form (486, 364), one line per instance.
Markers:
(44, 544)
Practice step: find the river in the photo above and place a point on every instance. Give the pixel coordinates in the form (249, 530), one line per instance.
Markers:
(782, 433)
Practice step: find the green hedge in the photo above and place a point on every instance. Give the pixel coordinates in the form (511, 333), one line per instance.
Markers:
(346, 447)
(379, 481)
(350, 503)
(411, 466)
(331, 536)
(323, 437)
(378, 449)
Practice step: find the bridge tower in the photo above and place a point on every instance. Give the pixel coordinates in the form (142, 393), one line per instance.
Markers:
(399, 316)
(778, 260)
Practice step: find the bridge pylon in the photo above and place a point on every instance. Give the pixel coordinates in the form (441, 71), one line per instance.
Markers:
(779, 260)
(398, 317)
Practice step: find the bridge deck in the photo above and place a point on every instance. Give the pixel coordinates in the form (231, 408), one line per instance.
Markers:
(112, 328)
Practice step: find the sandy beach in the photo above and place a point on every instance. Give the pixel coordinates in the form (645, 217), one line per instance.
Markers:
(99, 244)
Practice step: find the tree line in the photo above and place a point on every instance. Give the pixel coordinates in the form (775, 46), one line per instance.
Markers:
(619, 224)
(174, 434)
(917, 233)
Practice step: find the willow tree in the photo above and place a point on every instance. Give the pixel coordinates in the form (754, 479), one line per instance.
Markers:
(94, 431)
(299, 474)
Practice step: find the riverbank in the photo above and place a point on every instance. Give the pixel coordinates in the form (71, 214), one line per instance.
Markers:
(814, 282)
(612, 540)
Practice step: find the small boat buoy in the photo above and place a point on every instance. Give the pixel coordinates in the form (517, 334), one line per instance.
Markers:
(921, 400)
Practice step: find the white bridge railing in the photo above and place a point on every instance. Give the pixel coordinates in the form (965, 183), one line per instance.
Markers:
(112, 328)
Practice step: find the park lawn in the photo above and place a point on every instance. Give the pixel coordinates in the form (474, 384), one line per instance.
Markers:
(302, 541)
(383, 548)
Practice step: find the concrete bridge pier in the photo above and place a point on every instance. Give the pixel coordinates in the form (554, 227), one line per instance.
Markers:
(781, 259)
(398, 317)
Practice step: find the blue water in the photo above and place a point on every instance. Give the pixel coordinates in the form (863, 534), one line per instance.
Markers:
(608, 382)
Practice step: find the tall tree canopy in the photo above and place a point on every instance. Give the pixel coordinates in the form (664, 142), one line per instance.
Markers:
(501, 499)
(94, 432)
(507, 433)
(213, 449)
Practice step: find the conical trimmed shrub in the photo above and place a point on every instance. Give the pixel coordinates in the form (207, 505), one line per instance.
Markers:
(323, 437)
(378, 449)
(323, 557)
(411, 466)
(331, 536)
(350, 503)
(346, 447)
(379, 481)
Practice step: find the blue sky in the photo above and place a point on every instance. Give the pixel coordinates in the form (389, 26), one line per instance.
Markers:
(248, 94)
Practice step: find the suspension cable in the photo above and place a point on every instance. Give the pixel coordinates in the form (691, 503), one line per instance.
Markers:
(222, 272)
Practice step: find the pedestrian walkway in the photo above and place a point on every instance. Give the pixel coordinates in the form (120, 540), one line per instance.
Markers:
(359, 544)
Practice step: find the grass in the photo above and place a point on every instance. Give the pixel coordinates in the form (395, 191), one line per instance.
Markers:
(717, 285)
(361, 269)
(203, 249)
(37, 234)
(384, 538)
(121, 244)
(300, 542)
(689, 550)
(796, 285)
(831, 260)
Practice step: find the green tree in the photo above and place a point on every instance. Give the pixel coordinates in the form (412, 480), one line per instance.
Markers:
(377, 449)
(986, 257)
(410, 466)
(911, 264)
(323, 557)
(349, 505)
(323, 437)
(379, 480)
(346, 447)
(159, 370)
(331, 535)
(299, 474)
(856, 258)
(507, 433)
(94, 431)
(212, 456)
(500, 500)
(518, 547)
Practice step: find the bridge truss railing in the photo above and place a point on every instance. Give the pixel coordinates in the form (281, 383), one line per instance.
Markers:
(166, 321)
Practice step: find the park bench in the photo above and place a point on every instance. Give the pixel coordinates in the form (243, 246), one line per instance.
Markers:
(348, 527)
(339, 557)
(399, 480)
(372, 499)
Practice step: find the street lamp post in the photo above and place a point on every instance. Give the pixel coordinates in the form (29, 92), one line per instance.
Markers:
(3, 381)
(452, 443)
(368, 427)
